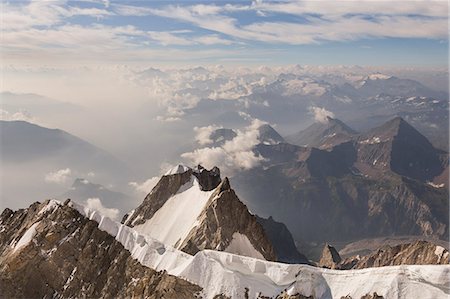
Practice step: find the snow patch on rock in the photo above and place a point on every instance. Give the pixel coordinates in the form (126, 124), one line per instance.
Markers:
(52, 205)
(27, 236)
(177, 169)
(174, 220)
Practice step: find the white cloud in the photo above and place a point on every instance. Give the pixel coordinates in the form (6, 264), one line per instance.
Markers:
(45, 31)
(235, 154)
(96, 205)
(212, 39)
(20, 115)
(203, 134)
(338, 21)
(321, 114)
(59, 177)
(168, 38)
(146, 186)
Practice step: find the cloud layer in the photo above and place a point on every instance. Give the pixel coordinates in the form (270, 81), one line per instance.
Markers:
(96, 205)
(58, 177)
(145, 187)
(233, 155)
(321, 114)
(42, 30)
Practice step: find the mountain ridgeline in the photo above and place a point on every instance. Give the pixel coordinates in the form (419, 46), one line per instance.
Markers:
(389, 180)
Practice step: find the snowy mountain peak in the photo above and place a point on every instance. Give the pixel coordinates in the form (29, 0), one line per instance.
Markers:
(177, 169)
(196, 210)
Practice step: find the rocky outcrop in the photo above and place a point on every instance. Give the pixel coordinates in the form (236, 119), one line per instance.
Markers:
(282, 241)
(416, 253)
(224, 216)
(330, 258)
(67, 256)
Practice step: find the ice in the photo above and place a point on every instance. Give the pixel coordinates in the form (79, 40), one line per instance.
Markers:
(27, 236)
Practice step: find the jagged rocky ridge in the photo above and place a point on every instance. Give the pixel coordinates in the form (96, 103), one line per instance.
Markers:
(216, 219)
(50, 250)
(89, 262)
(416, 253)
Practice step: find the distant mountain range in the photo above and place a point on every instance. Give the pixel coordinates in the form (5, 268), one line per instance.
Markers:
(387, 181)
(23, 142)
(82, 189)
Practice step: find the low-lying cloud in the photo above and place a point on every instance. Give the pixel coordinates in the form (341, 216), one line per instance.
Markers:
(58, 177)
(96, 205)
(203, 134)
(321, 114)
(144, 187)
(233, 155)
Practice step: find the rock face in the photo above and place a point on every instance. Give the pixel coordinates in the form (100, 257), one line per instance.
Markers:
(282, 241)
(224, 216)
(330, 257)
(66, 256)
(398, 147)
(218, 220)
(417, 253)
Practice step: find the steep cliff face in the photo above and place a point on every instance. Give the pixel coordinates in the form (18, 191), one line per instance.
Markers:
(51, 251)
(282, 241)
(226, 225)
(193, 209)
(330, 257)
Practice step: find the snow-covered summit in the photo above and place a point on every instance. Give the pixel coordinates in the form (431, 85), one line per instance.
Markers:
(177, 169)
(194, 209)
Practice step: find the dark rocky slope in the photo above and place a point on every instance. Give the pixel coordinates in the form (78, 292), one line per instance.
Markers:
(69, 257)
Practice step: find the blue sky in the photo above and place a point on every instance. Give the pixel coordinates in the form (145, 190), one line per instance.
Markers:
(225, 32)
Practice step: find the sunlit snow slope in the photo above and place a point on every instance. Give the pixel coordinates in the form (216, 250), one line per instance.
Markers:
(229, 274)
